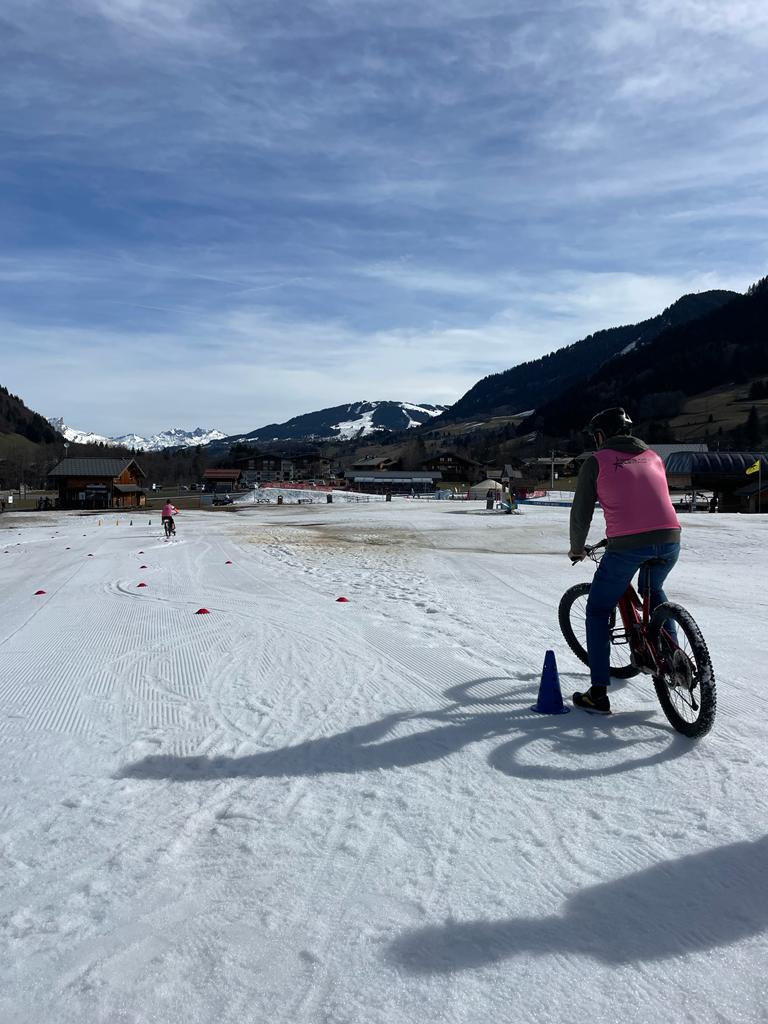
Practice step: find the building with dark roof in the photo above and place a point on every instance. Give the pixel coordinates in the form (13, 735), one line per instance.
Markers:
(392, 481)
(723, 473)
(754, 496)
(99, 483)
(453, 466)
(220, 481)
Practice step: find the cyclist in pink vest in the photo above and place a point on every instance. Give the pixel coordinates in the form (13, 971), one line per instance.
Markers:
(629, 481)
(169, 511)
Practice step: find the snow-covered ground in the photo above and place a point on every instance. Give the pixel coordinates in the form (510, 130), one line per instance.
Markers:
(295, 810)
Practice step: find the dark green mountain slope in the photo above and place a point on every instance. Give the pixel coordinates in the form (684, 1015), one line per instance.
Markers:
(16, 418)
(529, 385)
(727, 345)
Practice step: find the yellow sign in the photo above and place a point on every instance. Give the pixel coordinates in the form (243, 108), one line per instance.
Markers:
(755, 467)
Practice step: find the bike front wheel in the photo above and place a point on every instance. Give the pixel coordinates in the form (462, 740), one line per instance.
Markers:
(572, 615)
(685, 683)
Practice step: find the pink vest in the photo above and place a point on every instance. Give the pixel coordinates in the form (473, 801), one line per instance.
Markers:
(632, 489)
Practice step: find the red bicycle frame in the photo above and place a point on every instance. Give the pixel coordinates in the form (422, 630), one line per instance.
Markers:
(636, 617)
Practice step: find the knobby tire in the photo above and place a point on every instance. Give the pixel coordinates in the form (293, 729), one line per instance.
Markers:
(688, 682)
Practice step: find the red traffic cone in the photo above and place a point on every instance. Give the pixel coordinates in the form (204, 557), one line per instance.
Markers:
(344, 600)
(202, 611)
(550, 700)
(141, 584)
(228, 562)
(37, 592)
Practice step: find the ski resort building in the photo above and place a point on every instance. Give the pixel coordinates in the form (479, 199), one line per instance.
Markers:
(404, 481)
(220, 481)
(725, 475)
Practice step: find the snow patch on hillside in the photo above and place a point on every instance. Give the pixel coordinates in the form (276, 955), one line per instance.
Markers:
(362, 425)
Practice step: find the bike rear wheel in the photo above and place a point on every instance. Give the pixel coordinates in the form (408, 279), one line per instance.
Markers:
(685, 684)
(572, 615)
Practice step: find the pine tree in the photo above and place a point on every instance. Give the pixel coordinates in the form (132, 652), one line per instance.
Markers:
(752, 429)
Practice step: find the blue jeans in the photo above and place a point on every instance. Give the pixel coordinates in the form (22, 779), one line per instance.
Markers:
(613, 576)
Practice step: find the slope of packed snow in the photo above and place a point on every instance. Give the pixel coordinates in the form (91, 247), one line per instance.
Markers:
(361, 425)
(294, 810)
(431, 410)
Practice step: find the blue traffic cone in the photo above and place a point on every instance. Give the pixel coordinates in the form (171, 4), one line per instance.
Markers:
(550, 700)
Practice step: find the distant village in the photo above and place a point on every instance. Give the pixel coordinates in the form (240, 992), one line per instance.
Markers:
(698, 479)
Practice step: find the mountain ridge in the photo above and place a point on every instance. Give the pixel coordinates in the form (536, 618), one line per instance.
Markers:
(175, 437)
(344, 422)
(727, 344)
(529, 385)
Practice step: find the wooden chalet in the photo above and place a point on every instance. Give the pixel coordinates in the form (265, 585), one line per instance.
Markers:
(99, 483)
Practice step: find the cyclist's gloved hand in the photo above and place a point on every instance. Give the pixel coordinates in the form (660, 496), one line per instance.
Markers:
(577, 556)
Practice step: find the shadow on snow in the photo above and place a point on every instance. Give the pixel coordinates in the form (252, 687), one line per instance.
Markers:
(469, 718)
(696, 903)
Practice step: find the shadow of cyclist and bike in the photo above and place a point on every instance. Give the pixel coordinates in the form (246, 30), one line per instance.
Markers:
(471, 715)
(698, 902)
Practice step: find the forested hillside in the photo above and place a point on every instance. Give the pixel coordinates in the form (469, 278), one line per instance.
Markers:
(16, 418)
(530, 384)
(727, 345)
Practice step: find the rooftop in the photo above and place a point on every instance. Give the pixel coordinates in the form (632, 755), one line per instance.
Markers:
(94, 467)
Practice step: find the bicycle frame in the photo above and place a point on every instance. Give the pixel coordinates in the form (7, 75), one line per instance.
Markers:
(663, 640)
(636, 616)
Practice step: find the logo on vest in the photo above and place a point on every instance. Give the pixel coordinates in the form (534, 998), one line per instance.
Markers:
(636, 460)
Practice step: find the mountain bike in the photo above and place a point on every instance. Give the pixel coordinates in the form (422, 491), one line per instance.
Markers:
(665, 644)
(170, 527)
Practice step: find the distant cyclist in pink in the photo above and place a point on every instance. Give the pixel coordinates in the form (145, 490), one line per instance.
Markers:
(169, 511)
(629, 481)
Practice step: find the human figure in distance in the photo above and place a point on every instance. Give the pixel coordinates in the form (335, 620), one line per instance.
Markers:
(629, 481)
(169, 511)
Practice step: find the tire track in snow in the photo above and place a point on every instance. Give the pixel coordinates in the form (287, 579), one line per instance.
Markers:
(333, 914)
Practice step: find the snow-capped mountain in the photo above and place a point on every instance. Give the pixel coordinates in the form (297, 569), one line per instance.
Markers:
(344, 422)
(173, 438)
(78, 436)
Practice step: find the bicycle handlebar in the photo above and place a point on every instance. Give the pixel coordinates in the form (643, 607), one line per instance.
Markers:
(589, 551)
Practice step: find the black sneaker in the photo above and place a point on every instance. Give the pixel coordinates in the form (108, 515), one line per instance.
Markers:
(589, 701)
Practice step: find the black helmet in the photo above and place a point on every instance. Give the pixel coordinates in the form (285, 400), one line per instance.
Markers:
(610, 422)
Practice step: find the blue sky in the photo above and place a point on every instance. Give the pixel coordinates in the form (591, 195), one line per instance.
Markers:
(229, 213)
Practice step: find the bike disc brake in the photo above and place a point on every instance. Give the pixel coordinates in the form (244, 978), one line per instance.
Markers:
(681, 671)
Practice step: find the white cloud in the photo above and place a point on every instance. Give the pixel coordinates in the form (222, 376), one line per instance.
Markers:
(320, 192)
(249, 367)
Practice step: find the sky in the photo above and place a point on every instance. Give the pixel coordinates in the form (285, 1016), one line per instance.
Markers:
(224, 214)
